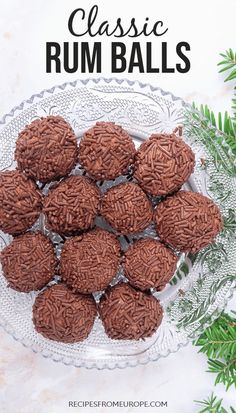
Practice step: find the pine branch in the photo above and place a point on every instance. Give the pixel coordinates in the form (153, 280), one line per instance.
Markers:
(229, 64)
(219, 339)
(213, 405)
(218, 342)
(223, 122)
(226, 372)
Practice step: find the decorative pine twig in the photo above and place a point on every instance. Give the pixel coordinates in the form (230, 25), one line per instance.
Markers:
(213, 405)
(218, 342)
(229, 64)
(205, 123)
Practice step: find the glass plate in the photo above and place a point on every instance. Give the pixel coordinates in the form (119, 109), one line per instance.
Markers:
(203, 282)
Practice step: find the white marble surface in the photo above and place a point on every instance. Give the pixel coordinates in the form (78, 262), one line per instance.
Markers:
(29, 383)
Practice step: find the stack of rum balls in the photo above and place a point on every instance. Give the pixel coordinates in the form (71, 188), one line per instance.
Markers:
(47, 151)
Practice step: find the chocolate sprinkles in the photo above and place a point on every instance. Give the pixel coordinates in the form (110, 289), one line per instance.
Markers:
(106, 151)
(129, 314)
(29, 262)
(188, 221)
(89, 262)
(127, 208)
(46, 149)
(64, 316)
(149, 264)
(163, 163)
(72, 205)
(20, 202)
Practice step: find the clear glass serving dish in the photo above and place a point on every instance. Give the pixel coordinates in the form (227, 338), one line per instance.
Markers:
(203, 282)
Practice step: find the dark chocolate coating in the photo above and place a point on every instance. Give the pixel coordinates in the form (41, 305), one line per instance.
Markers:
(62, 315)
(72, 205)
(127, 208)
(106, 151)
(29, 262)
(20, 202)
(163, 163)
(188, 221)
(46, 149)
(149, 264)
(89, 262)
(129, 314)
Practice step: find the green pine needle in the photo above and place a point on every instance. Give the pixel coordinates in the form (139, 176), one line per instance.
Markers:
(213, 405)
(218, 342)
(234, 105)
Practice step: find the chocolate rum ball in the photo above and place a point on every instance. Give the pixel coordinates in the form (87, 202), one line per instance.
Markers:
(149, 264)
(163, 163)
(127, 208)
(62, 315)
(106, 151)
(188, 221)
(20, 202)
(29, 262)
(72, 205)
(46, 149)
(129, 314)
(89, 262)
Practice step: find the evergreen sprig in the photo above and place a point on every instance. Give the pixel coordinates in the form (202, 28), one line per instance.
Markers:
(218, 342)
(229, 64)
(213, 405)
(223, 121)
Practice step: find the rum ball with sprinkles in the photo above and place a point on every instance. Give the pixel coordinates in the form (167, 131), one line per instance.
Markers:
(72, 205)
(29, 262)
(127, 208)
(106, 151)
(20, 202)
(61, 315)
(46, 149)
(163, 163)
(188, 221)
(149, 264)
(89, 262)
(129, 314)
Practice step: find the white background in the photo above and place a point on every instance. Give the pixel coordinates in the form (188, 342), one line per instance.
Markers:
(29, 383)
